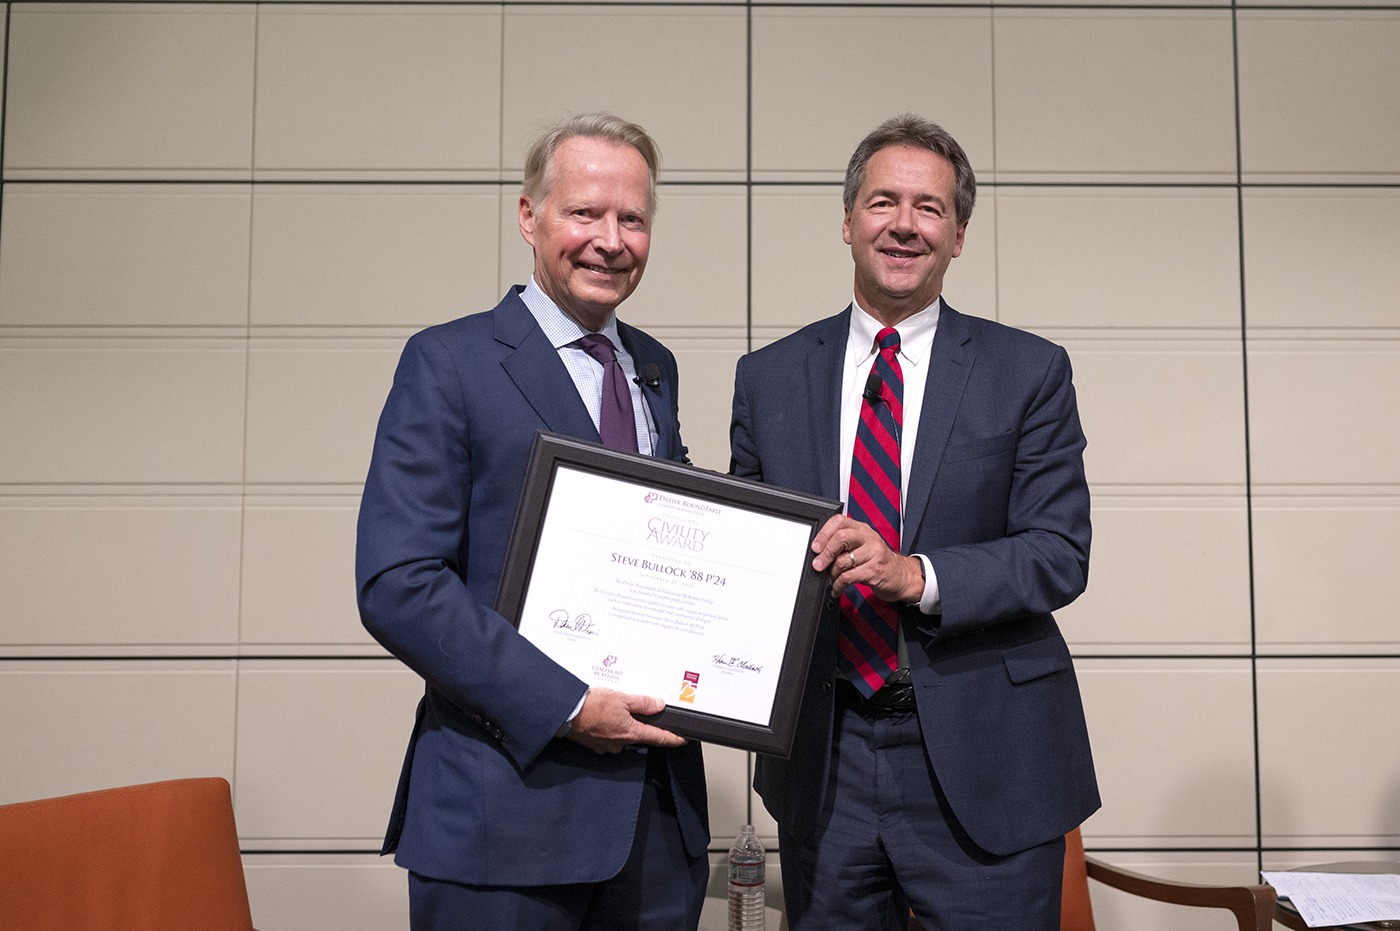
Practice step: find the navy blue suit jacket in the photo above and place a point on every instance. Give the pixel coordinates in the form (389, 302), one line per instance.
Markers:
(488, 795)
(997, 500)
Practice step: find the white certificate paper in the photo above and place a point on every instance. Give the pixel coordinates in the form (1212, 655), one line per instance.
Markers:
(652, 592)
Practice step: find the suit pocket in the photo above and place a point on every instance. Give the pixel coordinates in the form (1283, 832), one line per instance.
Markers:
(979, 449)
(1037, 660)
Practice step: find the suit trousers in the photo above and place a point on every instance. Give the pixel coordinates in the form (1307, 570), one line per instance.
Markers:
(660, 887)
(888, 841)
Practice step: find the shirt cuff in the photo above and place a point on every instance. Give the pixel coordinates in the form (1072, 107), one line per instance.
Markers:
(930, 603)
(564, 728)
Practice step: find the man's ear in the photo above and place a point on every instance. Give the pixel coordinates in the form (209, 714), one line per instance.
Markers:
(527, 220)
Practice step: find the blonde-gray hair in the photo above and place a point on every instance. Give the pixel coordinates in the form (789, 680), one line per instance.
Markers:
(539, 158)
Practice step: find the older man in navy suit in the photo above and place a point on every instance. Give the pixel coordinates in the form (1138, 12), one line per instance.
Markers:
(528, 800)
(941, 752)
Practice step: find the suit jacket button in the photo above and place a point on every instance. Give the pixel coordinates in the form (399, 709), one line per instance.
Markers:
(476, 718)
(827, 687)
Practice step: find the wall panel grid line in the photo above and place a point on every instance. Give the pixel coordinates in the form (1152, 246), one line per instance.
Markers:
(195, 348)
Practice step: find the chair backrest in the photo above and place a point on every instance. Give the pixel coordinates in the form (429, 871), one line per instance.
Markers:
(156, 857)
(1075, 912)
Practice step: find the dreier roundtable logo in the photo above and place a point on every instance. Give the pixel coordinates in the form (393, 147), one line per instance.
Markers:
(682, 531)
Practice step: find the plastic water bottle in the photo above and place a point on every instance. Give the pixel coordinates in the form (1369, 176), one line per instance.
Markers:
(746, 868)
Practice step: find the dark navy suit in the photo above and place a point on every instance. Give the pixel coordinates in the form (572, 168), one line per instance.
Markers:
(997, 500)
(488, 795)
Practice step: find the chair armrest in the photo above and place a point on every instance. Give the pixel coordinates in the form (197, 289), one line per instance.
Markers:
(1253, 906)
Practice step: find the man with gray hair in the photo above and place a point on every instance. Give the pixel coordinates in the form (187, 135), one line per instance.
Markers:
(941, 752)
(527, 799)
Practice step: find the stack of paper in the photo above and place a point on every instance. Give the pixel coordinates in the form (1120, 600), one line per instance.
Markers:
(1326, 899)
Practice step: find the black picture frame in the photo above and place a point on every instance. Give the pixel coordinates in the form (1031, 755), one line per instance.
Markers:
(551, 451)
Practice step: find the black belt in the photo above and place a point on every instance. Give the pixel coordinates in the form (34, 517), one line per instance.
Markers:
(894, 697)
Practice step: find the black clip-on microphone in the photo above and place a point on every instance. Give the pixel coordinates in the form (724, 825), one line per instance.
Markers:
(874, 394)
(874, 388)
(651, 376)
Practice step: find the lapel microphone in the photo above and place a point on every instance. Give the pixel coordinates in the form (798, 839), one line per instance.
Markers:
(651, 376)
(874, 394)
(874, 386)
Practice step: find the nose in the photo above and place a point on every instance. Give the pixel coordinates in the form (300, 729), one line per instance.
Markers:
(904, 218)
(608, 236)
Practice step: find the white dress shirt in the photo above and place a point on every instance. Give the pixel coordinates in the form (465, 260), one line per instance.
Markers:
(564, 333)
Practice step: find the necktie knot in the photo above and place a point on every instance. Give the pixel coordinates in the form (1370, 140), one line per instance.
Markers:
(888, 338)
(599, 347)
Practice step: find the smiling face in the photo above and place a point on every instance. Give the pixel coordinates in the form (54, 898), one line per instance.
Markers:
(903, 231)
(592, 231)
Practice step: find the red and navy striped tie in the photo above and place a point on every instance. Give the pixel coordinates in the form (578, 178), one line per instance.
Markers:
(867, 642)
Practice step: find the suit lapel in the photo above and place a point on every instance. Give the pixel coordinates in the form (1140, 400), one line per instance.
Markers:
(538, 372)
(950, 364)
(825, 363)
(658, 399)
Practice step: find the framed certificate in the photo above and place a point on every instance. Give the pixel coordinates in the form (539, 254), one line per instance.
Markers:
(655, 578)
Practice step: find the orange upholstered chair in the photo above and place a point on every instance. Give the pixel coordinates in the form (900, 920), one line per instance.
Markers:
(156, 857)
(1253, 906)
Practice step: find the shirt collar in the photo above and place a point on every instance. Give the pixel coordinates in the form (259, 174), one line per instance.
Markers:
(915, 333)
(559, 328)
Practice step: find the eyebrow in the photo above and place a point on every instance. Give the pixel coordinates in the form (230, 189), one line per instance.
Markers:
(894, 195)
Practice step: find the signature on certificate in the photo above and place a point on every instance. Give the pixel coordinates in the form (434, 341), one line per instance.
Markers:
(583, 624)
(734, 662)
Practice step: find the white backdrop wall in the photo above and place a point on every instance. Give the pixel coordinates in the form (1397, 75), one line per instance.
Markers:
(221, 221)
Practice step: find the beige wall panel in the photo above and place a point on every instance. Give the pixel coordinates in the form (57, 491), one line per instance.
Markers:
(104, 571)
(114, 411)
(1174, 751)
(319, 748)
(1322, 258)
(808, 111)
(1115, 909)
(803, 271)
(695, 272)
(1329, 762)
(1146, 551)
(367, 255)
(1322, 412)
(1118, 258)
(707, 396)
(727, 778)
(130, 87)
(313, 406)
(299, 572)
(152, 255)
(678, 71)
(1325, 573)
(344, 892)
(78, 727)
(1161, 412)
(1140, 93)
(970, 285)
(403, 88)
(1319, 93)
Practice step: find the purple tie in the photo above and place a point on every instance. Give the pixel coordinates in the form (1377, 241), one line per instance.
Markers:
(617, 423)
